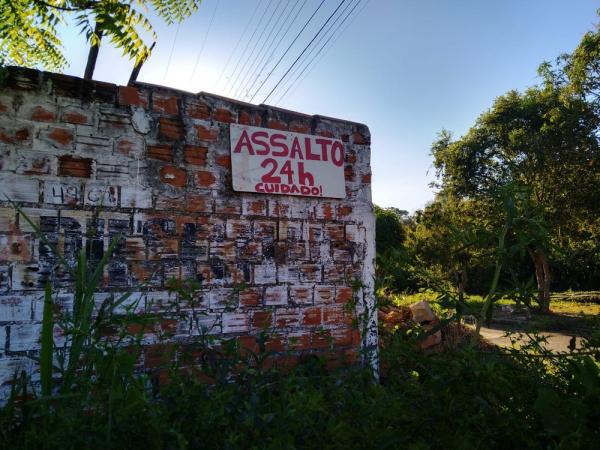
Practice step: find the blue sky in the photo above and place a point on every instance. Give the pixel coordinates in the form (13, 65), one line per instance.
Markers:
(406, 68)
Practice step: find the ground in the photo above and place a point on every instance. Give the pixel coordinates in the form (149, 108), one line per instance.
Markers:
(572, 314)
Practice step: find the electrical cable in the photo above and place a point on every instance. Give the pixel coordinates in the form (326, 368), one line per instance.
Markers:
(259, 59)
(279, 42)
(235, 86)
(320, 51)
(323, 37)
(246, 48)
(212, 19)
(216, 85)
(288, 49)
(260, 55)
(303, 51)
(171, 52)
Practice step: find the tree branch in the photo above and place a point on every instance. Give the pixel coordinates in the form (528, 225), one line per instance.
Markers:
(85, 6)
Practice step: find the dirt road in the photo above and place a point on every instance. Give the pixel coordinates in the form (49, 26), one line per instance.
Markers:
(557, 342)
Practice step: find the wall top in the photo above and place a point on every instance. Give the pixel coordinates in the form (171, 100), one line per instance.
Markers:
(91, 90)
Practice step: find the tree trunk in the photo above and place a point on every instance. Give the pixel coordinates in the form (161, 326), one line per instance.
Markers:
(542, 275)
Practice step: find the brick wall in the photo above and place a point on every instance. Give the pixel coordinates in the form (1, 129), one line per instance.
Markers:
(88, 161)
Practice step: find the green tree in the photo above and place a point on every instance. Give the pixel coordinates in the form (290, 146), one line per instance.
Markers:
(28, 28)
(543, 139)
(392, 258)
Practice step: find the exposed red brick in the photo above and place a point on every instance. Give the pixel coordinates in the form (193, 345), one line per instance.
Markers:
(325, 133)
(321, 339)
(262, 319)
(345, 138)
(166, 104)
(358, 138)
(324, 294)
(299, 127)
(62, 136)
(280, 209)
(22, 134)
(277, 124)
(170, 129)
(285, 318)
(257, 207)
(74, 117)
(366, 178)
(342, 336)
(335, 315)
(197, 109)
(326, 211)
(248, 344)
(70, 166)
(131, 96)
(312, 316)
(13, 136)
(248, 250)
(206, 134)
(173, 176)
(349, 173)
(169, 326)
(223, 115)
(198, 203)
(41, 114)
(350, 157)
(310, 272)
(344, 211)
(224, 161)
(301, 295)
(274, 344)
(124, 146)
(356, 338)
(250, 298)
(343, 294)
(135, 249)
(299, 342)
(195, 154)
(205, 179)
(245, 118)
(160, 151)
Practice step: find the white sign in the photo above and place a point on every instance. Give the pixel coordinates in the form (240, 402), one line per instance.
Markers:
(277, 162)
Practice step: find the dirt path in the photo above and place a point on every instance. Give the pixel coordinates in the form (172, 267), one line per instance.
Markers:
(557, 342)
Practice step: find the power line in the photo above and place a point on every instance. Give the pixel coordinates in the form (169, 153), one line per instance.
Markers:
(279, 42)
(271, 33)
(171, 52)
(237, 45)
(303, 51)
(274, 37)
(262, 33)
(212, 19)
(246, 48)
(287, 50)
(327, 50)
(306, 57)
(301, 72)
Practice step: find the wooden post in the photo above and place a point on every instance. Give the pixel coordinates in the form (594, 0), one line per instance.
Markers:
(138, 66)
(93, 56)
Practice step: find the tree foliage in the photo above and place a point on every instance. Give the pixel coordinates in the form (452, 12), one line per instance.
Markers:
(541, 146)
(28, 28)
